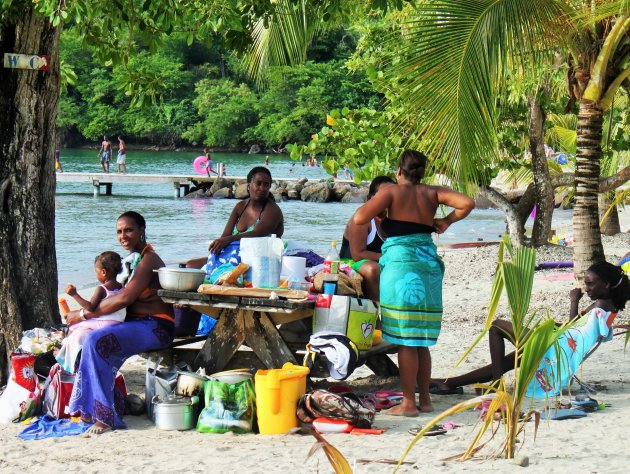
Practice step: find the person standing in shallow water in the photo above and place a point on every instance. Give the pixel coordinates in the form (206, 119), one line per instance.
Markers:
(105, 153)
(411, 270)
(121, 159)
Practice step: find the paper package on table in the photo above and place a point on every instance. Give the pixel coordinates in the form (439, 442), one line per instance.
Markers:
(354, 317)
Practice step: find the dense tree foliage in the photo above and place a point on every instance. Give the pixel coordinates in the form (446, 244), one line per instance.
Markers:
(199, 94)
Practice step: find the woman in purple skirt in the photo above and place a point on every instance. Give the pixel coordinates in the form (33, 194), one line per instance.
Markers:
(149, 325)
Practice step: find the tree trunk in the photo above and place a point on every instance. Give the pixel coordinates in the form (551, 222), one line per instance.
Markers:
(587, 239)
(611, 225)
(28, 100)
(516, 231)
(543, 189)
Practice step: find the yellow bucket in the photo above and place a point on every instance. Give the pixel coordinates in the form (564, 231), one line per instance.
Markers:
(277, 394)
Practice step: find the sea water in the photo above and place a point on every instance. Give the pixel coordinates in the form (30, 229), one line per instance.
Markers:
(181, 229)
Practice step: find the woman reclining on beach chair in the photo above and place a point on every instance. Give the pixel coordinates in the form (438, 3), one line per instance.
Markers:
(609, 289)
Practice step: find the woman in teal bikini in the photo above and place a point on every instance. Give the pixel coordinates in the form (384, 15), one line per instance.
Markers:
(411, 270)
(256, 216)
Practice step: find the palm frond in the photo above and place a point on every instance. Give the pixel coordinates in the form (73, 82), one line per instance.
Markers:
(337, 460)
(620, 199)
(452, 56)
(563, 135)
(603, 9)
(282, 38)
(519, 277)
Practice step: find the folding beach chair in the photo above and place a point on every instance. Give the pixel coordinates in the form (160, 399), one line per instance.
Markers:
(590, 389)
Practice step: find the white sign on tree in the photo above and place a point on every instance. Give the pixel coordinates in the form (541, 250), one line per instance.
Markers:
(26, 61)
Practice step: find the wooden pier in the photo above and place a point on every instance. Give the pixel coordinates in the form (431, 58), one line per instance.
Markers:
(181, 183)
(107, 180)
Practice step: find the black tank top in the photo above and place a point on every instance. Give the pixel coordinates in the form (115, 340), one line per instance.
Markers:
(373, 244)
(395, 228)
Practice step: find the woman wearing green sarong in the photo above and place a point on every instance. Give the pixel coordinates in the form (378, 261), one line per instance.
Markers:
(411, 271)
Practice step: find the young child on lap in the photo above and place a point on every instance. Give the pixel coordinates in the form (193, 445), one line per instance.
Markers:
(106, 265)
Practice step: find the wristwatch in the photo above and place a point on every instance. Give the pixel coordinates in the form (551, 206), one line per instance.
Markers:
(82, 314)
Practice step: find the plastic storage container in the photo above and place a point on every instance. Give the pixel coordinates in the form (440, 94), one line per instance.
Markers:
(277, 394)
(264, 256)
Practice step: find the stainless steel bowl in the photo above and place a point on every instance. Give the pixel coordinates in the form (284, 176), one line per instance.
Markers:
(180, 279)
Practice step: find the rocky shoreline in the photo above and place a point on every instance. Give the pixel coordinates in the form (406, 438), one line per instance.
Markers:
(321, 190)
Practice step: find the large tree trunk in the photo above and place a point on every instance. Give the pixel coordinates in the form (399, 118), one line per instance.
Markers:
(587, 240)
(28, 101)
(543, 189)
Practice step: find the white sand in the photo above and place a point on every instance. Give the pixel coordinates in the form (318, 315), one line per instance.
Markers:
(597, 443)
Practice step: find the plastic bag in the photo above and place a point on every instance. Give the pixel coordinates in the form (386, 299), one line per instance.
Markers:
(23, 370)
(38, 340)
(229, 407)
(17, 403)
(206, 325)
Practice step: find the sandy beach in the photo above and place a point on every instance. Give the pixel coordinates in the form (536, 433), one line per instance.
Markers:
(597, 443)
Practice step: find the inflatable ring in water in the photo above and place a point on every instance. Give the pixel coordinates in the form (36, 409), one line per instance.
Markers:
(200, 164)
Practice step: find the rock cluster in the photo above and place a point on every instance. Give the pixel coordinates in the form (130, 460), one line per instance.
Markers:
(321, 190)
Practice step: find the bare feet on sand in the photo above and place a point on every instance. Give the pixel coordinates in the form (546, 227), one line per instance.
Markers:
(97, 428)
(425, 405)
(402, 410)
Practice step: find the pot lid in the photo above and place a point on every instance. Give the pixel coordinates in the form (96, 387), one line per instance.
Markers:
(173, 400)
(181, 270)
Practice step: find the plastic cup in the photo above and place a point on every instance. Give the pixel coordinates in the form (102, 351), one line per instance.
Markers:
(330, 287)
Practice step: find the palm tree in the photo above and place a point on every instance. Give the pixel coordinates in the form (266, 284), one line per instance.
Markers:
(451, 61)
(456, 55)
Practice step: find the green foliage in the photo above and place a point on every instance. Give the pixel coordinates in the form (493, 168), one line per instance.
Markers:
(149, 98)
(200, 93)
(298, 99)
(359, 139)
(227, 110)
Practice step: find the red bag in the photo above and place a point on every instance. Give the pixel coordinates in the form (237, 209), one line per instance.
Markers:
(24, 370)
(120, 385)
(57, 392)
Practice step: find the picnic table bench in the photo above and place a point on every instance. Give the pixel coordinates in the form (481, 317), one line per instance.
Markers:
(254, 321)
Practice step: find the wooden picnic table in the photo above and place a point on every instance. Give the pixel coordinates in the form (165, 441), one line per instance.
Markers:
(253, 322)
(243, 320)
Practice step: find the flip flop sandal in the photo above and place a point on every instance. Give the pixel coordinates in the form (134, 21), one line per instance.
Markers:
(435, 430)
(386, 394)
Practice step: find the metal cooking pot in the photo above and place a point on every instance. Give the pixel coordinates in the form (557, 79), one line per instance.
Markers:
(180, 279)
(175, 413)
(189, 384)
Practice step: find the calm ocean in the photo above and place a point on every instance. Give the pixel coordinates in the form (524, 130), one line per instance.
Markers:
(181, 229)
